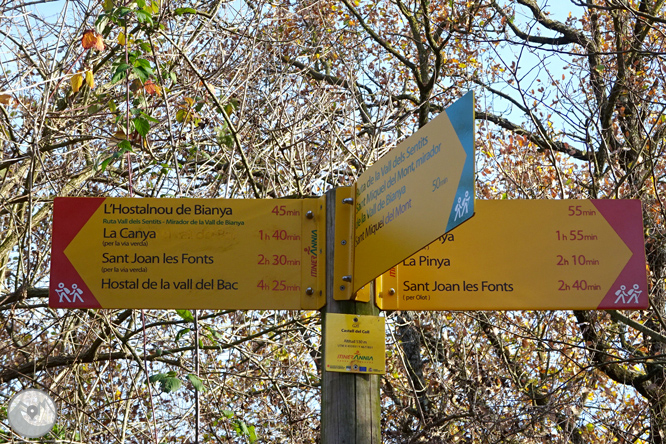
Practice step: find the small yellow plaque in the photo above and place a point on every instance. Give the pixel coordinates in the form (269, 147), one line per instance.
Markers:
(355, 344)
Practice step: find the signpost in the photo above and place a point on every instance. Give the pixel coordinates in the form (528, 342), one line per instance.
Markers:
(528, 255)
(350, 402)
(310, 253)
(417, 191)
(187, 253)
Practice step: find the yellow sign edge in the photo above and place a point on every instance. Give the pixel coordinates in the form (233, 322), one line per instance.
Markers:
(313, 296)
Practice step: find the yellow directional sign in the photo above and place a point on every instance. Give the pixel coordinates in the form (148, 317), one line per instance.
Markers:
(187, 253)
(414, 193)
(528, 254)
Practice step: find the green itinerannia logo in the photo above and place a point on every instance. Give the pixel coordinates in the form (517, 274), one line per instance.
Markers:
(359, 357)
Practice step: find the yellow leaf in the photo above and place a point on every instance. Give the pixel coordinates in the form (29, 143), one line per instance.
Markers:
(121, 39)
(181, 115)
(77, 81)
(90, 80)
(5, 99)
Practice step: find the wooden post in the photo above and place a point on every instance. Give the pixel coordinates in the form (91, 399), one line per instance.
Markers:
(350, 403)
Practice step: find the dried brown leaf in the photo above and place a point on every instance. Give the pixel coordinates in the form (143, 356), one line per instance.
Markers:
(151, 87)
(91, 39)
(6, 99)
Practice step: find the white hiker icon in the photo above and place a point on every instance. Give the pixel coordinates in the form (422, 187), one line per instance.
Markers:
(634, 293)
(76, 293)
(64, 292)
(462, 206)
(621, 294)
(465, 204)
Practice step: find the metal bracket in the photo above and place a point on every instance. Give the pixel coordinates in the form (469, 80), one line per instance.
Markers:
(386, 290)
(343, 263)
